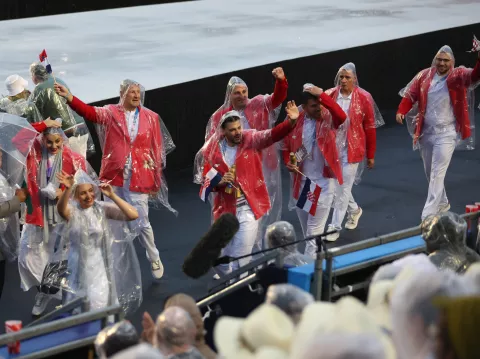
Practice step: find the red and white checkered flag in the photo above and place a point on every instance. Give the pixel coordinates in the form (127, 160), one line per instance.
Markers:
(476, 45)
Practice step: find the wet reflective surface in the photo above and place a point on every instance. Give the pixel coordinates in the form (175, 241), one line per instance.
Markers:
(168, 44)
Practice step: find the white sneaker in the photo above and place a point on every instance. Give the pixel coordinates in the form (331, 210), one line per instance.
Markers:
(334, 236)
(444, 207)
(353, 217)
(41, 302)
(157, 269)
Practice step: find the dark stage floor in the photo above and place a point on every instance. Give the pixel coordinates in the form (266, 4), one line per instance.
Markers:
(392, 197)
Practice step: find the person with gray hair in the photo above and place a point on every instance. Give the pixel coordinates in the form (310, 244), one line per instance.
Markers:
(135, 144)
(49, 104)
(175, 334)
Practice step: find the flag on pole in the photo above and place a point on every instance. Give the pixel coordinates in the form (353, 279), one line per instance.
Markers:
(476, 45)
(309, 196)
(43, 55)
(212, 178)
(44, 58)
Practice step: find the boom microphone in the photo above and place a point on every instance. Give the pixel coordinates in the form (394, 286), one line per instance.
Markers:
(204, 255)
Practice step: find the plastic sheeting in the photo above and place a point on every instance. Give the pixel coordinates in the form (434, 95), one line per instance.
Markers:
(9, 226)
(325, 138)
(115, 338)
(175, 329)
(413, 312)
(445, 235)
(289, 298)
(281, 233)
(258, 113)
(139, 156)
(244, 159)
(14, 153)
(343, 346)
(21, 107)
(430, 97)
(101, 267)
(363, 115)
(49, 104)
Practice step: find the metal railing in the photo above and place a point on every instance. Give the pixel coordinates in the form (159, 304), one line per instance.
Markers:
(325, 293)
(61, 324)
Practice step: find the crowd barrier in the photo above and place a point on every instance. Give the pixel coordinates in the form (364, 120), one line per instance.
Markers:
(59, 336)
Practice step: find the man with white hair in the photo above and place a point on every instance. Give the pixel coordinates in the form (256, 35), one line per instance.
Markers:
(356, 139)
(135, 144)
(442, 92)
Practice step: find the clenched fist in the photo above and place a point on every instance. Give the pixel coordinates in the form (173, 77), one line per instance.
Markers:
(278, 74)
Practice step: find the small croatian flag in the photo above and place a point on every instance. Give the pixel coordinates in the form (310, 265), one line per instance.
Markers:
(309, 196)
(476, 45)
(212, 178)
(43, 57)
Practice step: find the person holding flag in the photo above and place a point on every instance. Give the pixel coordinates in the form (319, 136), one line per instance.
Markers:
(231, 167)
(310, 154)
(258, 113)
(441, 121)
(49, 104)
(135, 144)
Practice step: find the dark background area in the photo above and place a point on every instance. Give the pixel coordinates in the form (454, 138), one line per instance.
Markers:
(19, 9)
(383, 69)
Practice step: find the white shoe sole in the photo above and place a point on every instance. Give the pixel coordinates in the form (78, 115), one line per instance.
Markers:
(355, 225)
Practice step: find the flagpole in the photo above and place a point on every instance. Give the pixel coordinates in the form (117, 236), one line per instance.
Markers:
(301, 173)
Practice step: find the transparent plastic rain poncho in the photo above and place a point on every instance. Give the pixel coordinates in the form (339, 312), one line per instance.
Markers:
(139, 351)
(281, 233)
(390, 271)
(363, 118)
(50, 104)
(289, 298)
(445, 235)
(325, 138)
(138, 164)
(175, 329)
(101, 267)
(12, 169)
(115, 338)
(413, 312)
(260, 113)
(436, 100)
(22, 107)
(249, 175)
(343, 346)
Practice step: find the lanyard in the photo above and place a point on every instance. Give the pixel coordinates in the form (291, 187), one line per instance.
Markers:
(134, 124)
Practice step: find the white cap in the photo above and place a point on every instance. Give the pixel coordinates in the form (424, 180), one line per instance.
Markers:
(15, 84)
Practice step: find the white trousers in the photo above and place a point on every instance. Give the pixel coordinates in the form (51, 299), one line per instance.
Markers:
(436, 152)
(343, 194)
(141, 225)
(242, 243)
(313, 225)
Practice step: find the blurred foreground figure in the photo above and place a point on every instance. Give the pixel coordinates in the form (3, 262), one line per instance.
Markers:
(445, 235)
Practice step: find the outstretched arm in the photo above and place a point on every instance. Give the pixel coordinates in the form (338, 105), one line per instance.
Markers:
(338, 116)
(264, 139)
(84, 110)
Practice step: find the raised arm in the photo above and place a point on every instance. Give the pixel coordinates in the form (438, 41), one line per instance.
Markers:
(62, 205)
(338, 115)
(280, 91)
(86, 111)
(126, 212)
(264, 139)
